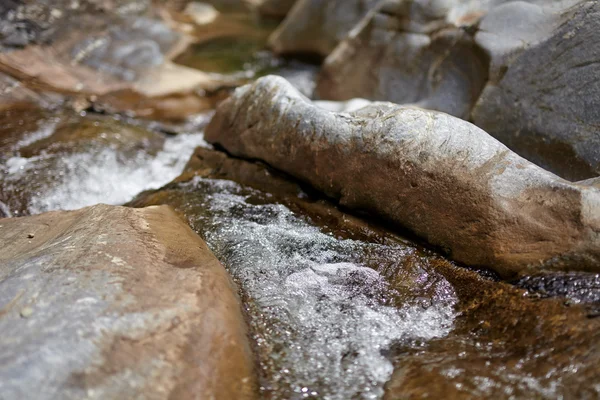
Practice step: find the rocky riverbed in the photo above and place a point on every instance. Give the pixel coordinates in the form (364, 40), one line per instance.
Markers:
(273, 199)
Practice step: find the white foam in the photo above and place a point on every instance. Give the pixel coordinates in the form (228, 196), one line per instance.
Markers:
(104, 178)
(324, 312)
(47, 129)
(100, 175)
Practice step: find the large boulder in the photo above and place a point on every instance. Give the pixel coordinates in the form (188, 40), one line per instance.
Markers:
(114, 302)
(425, 53)
(439, 176)
(316, 26)
(382, 59)
(543, 98)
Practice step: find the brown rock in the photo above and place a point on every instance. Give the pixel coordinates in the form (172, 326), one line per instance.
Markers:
(124, 303)
(504, 341)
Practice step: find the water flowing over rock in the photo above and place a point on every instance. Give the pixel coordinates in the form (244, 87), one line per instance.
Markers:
(543, 99)
(317, 26)
(52, 161)
(113, 302)
(503, 341)
(326, 294)
(441, 177)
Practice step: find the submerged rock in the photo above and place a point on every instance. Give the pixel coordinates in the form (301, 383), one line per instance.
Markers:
(315, 310)
(113, 302)
(441, 177)
(506, 344)
(325, 292)
(543, 99)
(315, 27)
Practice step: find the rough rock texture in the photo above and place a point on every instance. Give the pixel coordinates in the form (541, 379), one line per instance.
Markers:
(441, 177)
(441, 70)
(317, 26)
(544, 98)
(112, 302)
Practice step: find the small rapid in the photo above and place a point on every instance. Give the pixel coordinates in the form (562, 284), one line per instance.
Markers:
(110, 168)
(321, 315)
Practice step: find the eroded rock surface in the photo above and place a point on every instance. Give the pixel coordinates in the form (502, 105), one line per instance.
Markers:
(544, 99)
(441, 177)
(113, 302)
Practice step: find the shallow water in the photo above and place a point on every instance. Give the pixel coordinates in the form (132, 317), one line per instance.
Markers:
(98, 162)
(322, 315)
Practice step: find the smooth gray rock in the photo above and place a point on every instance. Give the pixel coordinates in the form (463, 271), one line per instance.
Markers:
(382, 60)
(317, 26)
(543, 99)
(441, 177)
(117, 303)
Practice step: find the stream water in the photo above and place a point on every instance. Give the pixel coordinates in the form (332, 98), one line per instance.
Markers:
(322, 312)
(327, 312)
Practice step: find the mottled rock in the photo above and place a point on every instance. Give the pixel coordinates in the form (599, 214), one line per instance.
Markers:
(441, 177)
(441, 70)
(579, 287)
(543, 99)
(113, 302)
(94, 48)
(317, 26)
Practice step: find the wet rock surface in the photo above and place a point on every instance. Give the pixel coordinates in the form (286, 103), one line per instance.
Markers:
(429, 172)
(325, 292)
(505, 344)
(501, 342)
(334, 220)
(112, 302)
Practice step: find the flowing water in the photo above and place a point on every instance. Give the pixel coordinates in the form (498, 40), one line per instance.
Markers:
(99, 161)
(331, 315)
(322, 310)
